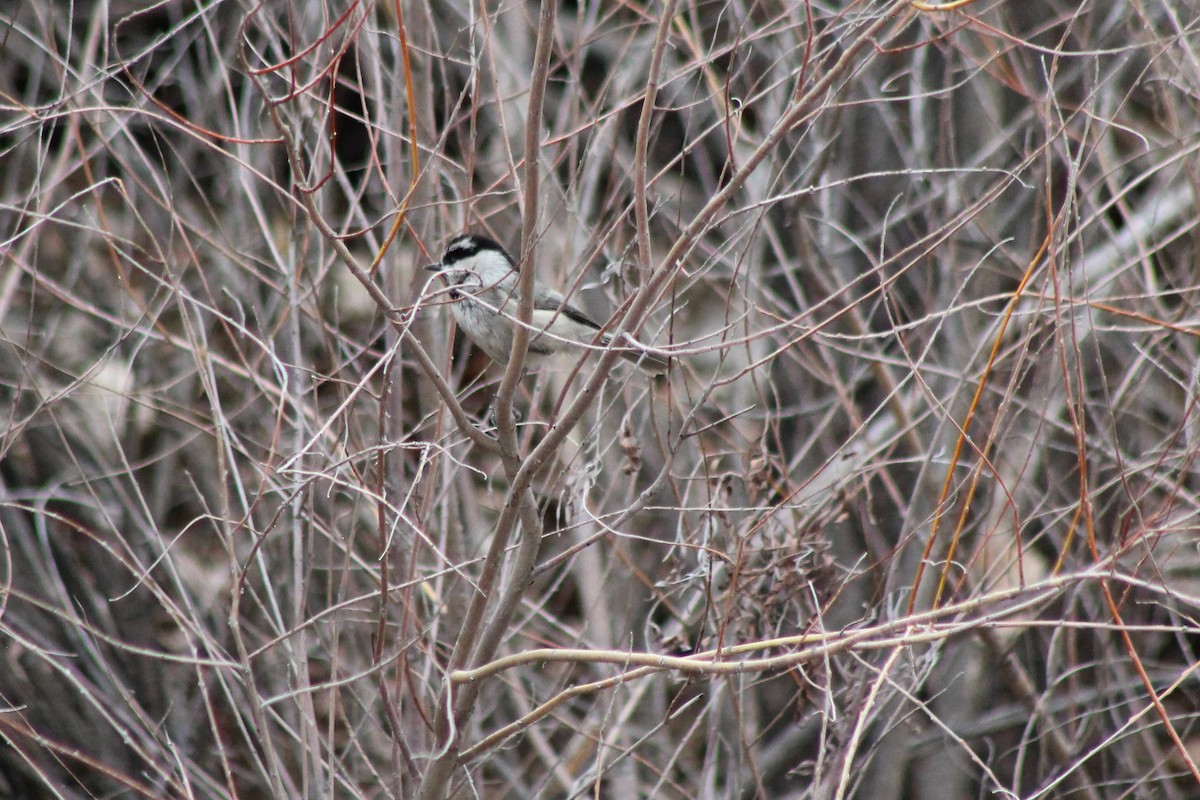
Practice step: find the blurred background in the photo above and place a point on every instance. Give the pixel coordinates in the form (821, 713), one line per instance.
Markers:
(928, 280)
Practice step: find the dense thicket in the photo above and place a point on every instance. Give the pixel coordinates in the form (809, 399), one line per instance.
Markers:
(913, 516)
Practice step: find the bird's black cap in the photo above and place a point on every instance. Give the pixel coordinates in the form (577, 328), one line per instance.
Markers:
(467, 245)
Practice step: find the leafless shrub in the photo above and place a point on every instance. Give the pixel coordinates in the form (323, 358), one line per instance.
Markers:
(912, 516)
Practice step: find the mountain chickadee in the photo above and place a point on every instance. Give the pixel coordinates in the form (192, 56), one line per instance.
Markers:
(482, 277)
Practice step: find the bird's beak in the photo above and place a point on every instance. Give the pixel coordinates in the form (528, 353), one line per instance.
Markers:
(438, 269)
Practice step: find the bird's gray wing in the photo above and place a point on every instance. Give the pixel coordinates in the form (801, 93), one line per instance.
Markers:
(550, 300)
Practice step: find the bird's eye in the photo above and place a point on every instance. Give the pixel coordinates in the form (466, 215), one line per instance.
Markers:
(455, 294)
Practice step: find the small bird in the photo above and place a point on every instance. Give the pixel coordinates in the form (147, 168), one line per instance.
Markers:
(482, 277)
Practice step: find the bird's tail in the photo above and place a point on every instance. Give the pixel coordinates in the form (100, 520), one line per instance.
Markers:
(652, 365)
(649, 363)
